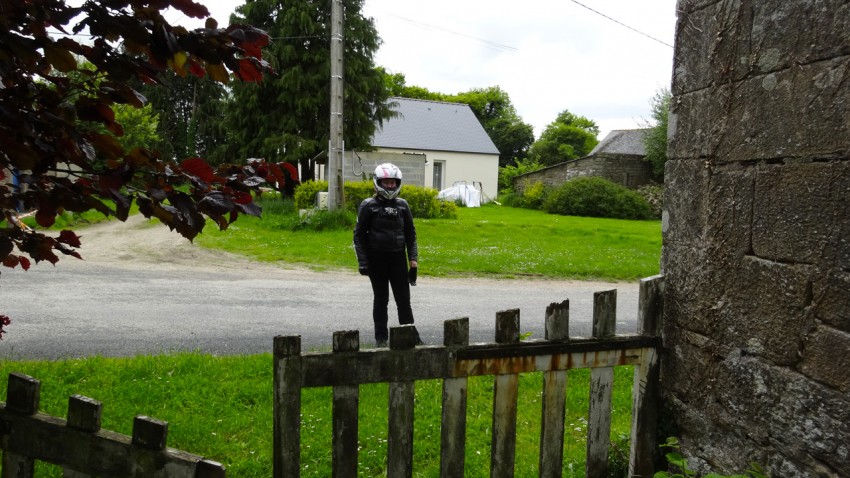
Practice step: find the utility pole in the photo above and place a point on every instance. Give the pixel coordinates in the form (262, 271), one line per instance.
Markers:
(336, 144)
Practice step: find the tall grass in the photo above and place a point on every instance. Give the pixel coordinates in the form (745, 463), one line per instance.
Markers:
(493, 241)
(221, 408)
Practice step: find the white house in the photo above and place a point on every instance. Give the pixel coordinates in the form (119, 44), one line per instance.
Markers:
(446, 138)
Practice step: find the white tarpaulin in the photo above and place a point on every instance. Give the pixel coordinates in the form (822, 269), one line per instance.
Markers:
(465, 193)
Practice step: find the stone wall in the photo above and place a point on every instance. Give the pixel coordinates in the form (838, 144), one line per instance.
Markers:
(630, 171)
(362, 165)
(757, 237)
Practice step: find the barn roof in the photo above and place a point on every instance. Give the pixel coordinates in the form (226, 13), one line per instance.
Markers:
(622, 141)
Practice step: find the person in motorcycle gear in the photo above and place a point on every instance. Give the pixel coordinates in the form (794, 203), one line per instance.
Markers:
(385, 245)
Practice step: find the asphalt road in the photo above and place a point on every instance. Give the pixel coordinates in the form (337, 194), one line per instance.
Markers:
(81, 309)
(126, 306)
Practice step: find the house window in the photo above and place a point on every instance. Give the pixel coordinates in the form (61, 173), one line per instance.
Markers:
(438, 174)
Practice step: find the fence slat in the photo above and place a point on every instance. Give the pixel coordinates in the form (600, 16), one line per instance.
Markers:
(23, 394)
(287, 407)
(84, 413)
(346, 399)
(645, 394)
(106, 454)
(601, 385)
(599, 422)
(503, 447)
(453, 420)
(17, 466)
(554, 397)
(505, 391)
(400, 436)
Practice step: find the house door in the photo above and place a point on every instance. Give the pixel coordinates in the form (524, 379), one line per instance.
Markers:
(438, 174)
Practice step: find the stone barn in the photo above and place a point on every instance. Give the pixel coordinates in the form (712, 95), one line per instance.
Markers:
(619, 158)
(756, 248)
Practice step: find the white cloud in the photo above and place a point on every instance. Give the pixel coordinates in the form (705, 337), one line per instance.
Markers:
(565, 57)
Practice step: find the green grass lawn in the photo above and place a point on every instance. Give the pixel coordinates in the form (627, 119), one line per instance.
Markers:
(221, 408)
(491, 241)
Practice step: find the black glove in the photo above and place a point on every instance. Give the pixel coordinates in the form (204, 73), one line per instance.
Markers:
(411, 275)
(364, 271)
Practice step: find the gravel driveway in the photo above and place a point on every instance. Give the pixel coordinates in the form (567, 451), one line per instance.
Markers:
(143, 289)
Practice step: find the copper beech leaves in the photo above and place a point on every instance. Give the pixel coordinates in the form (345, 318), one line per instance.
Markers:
(55, 162)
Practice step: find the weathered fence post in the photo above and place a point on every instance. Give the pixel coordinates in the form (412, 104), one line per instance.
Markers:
(84, 414)
(554, 396)
(645, 391)
(23, 396)
(287, 407)
(505, 391)
(601, 384)
(453, 426)
(400, 435)
(346, 400)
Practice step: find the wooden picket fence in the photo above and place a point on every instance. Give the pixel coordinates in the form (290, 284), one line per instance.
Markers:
(347, 367)
(81, 447)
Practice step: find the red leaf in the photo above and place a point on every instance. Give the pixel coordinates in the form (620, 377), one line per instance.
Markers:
(277, 173)
(11, 261)
(68, 237)
(249, 39)
(198, 167)
(191, 8)
(248, 71)
(251, 209)
(25, 263)
(293, 172)
(241, 197)
(6, 246)
(112, 181)
(45, 217)
(196, 69)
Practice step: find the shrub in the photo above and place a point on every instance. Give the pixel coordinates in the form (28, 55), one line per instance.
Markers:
(355, 193)
(423, 201)
(509, 172)
(597, 197)
(534, 196)
(305, 193)
(654, 195)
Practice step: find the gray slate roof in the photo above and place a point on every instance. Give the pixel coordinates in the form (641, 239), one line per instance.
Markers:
(622, 141)
(433, 125)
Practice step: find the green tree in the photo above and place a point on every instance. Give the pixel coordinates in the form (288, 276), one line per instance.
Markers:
(568, 137)
(511, 171)
(287, 116)
(396, 85)
(493, 108)
(51, 101)
(190, 111)
(655, 141)
(140, 126)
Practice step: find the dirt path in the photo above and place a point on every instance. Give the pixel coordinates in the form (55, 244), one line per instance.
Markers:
(139, 242)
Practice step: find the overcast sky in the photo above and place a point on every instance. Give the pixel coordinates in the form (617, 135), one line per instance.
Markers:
(548, 55)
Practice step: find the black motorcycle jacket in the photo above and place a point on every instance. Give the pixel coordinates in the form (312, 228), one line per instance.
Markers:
(384, 226)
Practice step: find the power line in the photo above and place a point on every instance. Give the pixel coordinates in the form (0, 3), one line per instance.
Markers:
(489, 44)
(621, 23)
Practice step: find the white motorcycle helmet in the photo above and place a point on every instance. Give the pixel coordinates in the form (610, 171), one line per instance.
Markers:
(387, 171)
